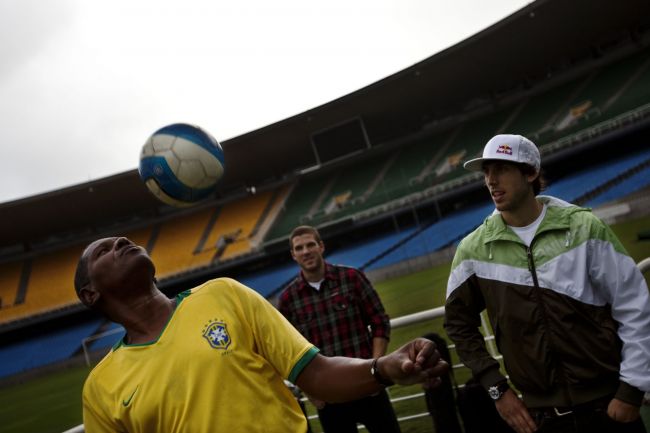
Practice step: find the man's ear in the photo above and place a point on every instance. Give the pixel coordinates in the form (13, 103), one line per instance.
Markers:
(531, 177)
(89, 296)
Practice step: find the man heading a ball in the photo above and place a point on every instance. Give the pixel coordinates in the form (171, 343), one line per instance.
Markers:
(214, 358)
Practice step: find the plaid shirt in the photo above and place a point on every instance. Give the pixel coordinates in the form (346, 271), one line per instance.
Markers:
(336, 318)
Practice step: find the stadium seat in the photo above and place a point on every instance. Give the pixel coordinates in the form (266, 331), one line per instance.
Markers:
(589, 179)
(634, 183)
(9, 285)
(52, 346)
(50, 284)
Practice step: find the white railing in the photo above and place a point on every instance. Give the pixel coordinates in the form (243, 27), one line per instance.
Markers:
(398, 322)
(85, 343)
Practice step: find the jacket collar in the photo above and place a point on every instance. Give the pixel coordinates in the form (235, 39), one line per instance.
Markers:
(558, 217)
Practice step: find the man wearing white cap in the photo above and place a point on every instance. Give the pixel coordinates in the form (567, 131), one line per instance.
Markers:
(569, 308)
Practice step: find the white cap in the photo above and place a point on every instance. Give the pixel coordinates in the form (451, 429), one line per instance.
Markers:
(507, 147)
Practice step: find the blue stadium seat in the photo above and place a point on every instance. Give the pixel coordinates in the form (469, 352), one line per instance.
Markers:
(389, 249)
(576, 185)
(108, 340)
(632, 184)
(268, 282)
(359, 255)
(52, 346)
(438, 235)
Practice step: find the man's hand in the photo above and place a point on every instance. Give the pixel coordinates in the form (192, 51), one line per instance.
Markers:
(415, 362)
(515, 413)
(622, 412)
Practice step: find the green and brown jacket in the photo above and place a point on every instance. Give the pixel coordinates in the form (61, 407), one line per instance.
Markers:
(570, 313)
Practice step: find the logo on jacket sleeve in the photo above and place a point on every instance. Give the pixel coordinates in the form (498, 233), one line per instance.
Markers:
(217, 335)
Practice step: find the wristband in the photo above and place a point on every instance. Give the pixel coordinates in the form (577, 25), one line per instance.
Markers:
(496, 391)
(374, 370)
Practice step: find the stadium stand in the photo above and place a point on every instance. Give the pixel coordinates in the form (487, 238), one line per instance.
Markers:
(590, 179)
(200, 238)
(242, 216)
(49, 285)
(50, 346)
(435, 236)
(412, 163)
(534, 118)
(9, 284)
(599, 90)
(270, 214)
(44, 284)
(351, 185)
(634, 90)
(635, 182)
(269, 280)
(360, 254)
(386, 250)
(111, 334)
(141, 236)
(468, 142)
(301, 198)
(176, 241)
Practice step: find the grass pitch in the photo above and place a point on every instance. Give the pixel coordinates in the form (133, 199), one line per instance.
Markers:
(47, 404)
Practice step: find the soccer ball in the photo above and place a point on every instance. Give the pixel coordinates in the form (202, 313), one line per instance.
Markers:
(181, 164)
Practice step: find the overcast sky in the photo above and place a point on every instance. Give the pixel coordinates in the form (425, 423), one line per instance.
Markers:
(84, 83)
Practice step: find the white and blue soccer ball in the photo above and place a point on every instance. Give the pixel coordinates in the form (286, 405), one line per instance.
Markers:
(181, 164)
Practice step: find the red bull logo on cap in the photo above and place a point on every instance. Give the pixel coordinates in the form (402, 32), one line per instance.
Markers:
(505, 149)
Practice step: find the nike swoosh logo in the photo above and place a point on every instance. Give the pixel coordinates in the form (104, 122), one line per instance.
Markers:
(125, 403)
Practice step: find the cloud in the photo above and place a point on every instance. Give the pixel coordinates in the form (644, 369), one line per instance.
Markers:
(27, 28)
(83, 83)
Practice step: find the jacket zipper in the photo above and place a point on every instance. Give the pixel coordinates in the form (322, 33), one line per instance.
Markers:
(538, 296)
(531, 264)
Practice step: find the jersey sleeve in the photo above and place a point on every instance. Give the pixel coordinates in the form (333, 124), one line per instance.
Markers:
(277, 340)
(95, 419)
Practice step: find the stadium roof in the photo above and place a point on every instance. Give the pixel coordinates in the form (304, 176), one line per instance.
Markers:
(547, 38)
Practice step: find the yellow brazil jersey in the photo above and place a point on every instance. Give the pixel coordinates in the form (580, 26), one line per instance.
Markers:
(218, 366)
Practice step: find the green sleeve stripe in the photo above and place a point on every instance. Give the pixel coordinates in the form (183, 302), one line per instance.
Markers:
(183, 295)
(118, 343)
(302, 363)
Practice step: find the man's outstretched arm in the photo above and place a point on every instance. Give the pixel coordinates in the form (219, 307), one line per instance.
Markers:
(338, 379)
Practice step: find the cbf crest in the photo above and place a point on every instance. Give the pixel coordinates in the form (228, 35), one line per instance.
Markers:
(216, 332)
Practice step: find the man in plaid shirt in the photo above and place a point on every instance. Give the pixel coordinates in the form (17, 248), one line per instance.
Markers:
(334, 307)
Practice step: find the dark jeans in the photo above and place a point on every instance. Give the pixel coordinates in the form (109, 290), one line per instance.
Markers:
(375, 412)
(594, 420)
